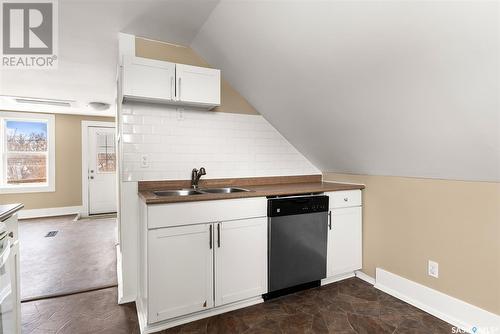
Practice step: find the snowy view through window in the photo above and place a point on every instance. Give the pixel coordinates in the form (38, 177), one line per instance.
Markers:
(26, 152)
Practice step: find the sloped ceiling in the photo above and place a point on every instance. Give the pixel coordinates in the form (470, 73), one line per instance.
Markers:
(407, 88)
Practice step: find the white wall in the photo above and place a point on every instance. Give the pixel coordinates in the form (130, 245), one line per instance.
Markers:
(227, 145)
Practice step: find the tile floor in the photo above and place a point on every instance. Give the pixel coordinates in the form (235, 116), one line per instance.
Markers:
(350, 306)
(81, 256)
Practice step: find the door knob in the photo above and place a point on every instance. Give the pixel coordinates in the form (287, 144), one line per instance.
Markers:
(91, 177)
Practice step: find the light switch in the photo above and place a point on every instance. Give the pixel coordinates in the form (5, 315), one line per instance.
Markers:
(144, 161)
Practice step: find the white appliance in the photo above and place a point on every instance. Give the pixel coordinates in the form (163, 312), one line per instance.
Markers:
(9, 277)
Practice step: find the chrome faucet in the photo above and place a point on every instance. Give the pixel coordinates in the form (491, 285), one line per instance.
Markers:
(196, 175)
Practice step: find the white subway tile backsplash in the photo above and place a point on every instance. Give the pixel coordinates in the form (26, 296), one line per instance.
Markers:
(141, 129)
(131, 138)
(130, 119)
(227, 145)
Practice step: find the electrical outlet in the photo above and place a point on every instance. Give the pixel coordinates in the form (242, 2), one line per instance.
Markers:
(144, 161)
(433, 269)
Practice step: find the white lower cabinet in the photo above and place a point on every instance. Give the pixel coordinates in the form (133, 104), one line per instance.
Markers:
(240, 260)
(192, 268)
(344, 241)
(180, 271)
(345, 233)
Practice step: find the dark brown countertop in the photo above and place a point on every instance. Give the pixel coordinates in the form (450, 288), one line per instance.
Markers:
(259, 187)
(7, 210)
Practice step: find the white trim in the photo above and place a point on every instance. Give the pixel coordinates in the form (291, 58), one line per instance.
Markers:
(337, 278)
(341, 182)
(122, 298)
(362, 276)
(50, 186)
(450, 309)
(85, 177)
(53, 110)
(49, 212)
(126, 45)
(156, 327)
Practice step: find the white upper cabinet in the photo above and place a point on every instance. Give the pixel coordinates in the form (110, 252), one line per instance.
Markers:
(148, 79)
(199, 85)
(157, 81)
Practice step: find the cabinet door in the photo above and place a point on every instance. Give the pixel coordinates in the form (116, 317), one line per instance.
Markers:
(198, 85)
(180, 271)
(344, 241)
(240, 260)
(145, 79)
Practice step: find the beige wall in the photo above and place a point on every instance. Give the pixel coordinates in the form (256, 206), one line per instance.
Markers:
(231, 100)
(408, 221)
(68, 167)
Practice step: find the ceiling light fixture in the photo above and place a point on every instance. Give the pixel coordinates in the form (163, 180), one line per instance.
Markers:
(99, 105)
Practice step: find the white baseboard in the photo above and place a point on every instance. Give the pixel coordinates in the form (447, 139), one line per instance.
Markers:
(49, 212)
(337, 278)
(162, 325)
(456, 312)
(362, 276)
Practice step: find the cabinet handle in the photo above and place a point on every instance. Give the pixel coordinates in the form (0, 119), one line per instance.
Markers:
(210, 237)
(179, 97)
(330, 219)
(218, 235)
(172, 83)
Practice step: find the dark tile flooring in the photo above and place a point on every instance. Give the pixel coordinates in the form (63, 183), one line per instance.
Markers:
(350, 306)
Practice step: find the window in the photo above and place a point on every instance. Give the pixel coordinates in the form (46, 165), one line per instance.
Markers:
(28, 157)
(106, 157)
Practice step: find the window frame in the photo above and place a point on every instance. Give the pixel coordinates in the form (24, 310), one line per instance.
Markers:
(48, 186)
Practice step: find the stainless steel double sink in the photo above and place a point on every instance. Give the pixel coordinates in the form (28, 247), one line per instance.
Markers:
(199, 191)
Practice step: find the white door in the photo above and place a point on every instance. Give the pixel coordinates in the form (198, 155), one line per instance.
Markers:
(240, 260)
(180, 271)
(198, 85)
(102, 170)
(148, 79)
(344, 241)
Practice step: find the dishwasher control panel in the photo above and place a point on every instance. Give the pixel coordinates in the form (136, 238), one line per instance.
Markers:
(277, 207)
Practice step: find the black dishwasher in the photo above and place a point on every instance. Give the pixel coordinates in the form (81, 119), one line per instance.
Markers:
(297, 243)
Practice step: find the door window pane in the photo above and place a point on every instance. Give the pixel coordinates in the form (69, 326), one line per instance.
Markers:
(106, 156)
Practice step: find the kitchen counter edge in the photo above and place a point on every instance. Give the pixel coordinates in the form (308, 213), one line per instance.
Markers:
(149, 197)
(7, 210)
